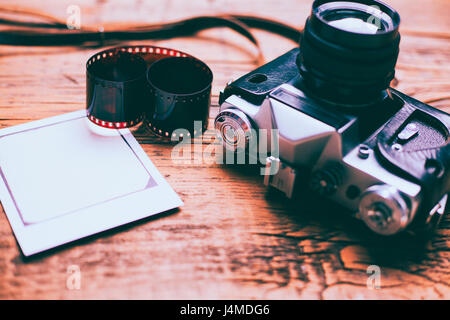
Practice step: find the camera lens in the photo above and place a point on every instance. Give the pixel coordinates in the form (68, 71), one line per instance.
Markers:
(355, 17)
(348, 51)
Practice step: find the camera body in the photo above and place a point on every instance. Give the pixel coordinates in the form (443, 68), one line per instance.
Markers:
(387, 161)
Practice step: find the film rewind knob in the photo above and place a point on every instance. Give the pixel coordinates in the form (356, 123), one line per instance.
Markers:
(234, 128)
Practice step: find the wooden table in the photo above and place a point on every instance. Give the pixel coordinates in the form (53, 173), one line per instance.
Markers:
(231, 239)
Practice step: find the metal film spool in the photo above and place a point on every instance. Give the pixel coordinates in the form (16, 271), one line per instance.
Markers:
(119, 94)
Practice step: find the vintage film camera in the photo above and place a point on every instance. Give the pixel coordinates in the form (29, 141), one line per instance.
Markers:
(343, 132)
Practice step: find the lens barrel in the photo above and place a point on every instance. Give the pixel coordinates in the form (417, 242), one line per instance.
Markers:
(348, 50)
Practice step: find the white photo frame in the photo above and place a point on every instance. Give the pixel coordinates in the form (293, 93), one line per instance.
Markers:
(63, 178)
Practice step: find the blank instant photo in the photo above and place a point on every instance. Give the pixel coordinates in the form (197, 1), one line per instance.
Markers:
(63, 178)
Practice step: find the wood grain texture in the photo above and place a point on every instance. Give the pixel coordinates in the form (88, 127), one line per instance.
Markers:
(231, 239)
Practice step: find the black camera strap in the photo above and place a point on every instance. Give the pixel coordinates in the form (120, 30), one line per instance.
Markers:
(55, 33)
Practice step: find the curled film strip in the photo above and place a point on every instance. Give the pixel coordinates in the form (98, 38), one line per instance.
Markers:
(167, 88)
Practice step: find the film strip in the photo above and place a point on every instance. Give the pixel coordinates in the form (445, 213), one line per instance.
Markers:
(166, 88)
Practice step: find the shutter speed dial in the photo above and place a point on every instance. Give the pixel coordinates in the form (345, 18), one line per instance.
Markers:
(384, 210)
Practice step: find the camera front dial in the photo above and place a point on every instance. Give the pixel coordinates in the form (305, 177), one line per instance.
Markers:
(234, 128)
